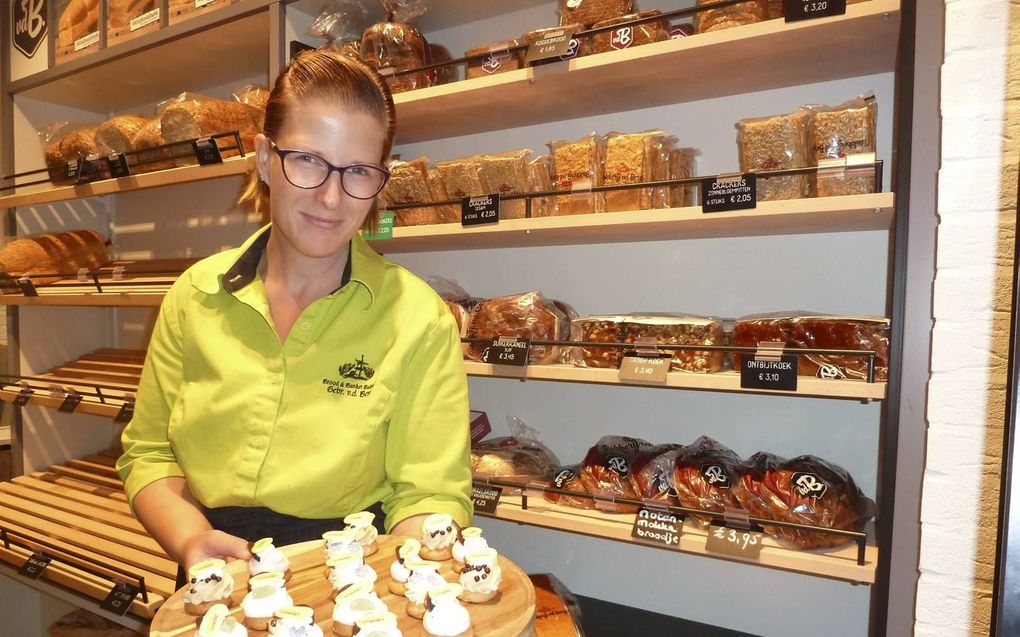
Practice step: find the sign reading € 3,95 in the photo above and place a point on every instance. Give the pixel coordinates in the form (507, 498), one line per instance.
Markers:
(28, 20)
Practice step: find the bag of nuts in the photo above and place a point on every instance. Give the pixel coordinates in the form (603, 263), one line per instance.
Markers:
(839, 131)
(776, 143)
(578, 166)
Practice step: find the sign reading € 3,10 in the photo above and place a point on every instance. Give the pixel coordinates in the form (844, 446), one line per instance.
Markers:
(28, 20)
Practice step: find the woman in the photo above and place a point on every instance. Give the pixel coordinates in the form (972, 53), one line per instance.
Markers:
(301, 377)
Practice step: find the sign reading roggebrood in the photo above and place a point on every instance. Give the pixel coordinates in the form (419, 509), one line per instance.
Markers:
(28, 21)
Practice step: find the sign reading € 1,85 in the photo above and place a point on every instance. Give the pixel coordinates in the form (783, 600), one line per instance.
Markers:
(28, 19)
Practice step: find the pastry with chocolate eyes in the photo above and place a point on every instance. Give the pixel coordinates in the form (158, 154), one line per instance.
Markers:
(438, 533)
(480, 577)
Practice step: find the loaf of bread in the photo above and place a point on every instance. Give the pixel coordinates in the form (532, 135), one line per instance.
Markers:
(588, 12)
(529, 316)
(398, 46)
(607, 466)
(568, 478)
(193, 118)
(665, 329)
(578, 166)
(255, 96)
(704, 476)
(447, 74)
(115, 135)
(148, 136)
(626, 37)
(77, 18)
(513, 457)
(651, 473)
(498, 59)
(62, 253)
(731, 16)
(777, 143)
(821, 332)
(79, 143)
(121, 12)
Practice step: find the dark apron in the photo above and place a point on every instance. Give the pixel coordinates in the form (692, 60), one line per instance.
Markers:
(254, 523)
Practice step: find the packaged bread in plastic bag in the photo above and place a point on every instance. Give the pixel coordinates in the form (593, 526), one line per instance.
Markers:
(256, 96)
(704, 476)
(665, 329)
(446, 74)
(651, 473)
(778, 142)
(541, 173)
(838, 131)
(631, 158)
(529, 315)
(507, 174)
(189, 116)
(734, 15)
(398, 45)
(489, 59)
(588, 12)
(683, 165)
(568, 477)
(341, 23)
(148, 137)
(64, 142)
(462, 177)
(521, 456)
(410, 182)
(607, 466)
(578, 166)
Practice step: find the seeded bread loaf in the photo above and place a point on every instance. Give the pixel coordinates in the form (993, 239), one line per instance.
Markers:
(115, 135)
(191, 119)
(121, 12)
(78, 18)
(55, 253)
(150, 136)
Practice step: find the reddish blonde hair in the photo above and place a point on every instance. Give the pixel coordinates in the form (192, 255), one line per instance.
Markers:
(326, 76)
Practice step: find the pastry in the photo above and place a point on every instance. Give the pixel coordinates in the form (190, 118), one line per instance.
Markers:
(266, 558)
(217, 622)
(406, 552)
(438, 535)
(342, 541)
(268, 594)
(705, 474)
(424, 576)
(377, 625)
(348, 568)
(353, 602)
(445, 617)
(209, 584)
(568, 478)
(526, 316)
(468, 539)
(366, 532)
(481, 576)
(294, 621)
(605, 470)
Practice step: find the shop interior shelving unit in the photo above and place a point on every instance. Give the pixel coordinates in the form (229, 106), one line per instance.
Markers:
(76, 338)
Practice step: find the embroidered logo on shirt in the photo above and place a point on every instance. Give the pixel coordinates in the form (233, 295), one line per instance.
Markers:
(358, 370)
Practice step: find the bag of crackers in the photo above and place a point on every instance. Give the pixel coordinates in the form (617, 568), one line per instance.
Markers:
(839, 131)
(578, 168)
(777, 142)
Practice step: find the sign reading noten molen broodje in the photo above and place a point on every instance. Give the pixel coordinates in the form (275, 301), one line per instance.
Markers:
(28, 19)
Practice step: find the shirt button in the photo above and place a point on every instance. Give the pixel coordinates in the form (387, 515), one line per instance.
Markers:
(306, 326)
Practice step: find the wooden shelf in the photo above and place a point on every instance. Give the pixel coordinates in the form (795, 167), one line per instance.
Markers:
(796, 216)
(839, 563)
(720, 381)
(41, 195)
(707, 65)
(116, 371)
(161, 64)
(5, 436)
(78, 513)
(142, 284)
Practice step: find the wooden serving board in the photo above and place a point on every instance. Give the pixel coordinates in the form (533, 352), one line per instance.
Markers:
(510, 614)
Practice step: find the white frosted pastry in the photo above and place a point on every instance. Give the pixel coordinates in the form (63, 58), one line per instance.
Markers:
(424, 576)
(294, 621)
(266, 558)
(445, 616)
(469, 539)
(378, 625)
(437, 536)
(408, 551)
(208, 584)
(361, 522)
(352, 603)
(268, 594)
(343, 541)
(217, 622)
(481, 576)
(349, 568)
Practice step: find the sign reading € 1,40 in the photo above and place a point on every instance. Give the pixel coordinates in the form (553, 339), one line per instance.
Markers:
(28, 20)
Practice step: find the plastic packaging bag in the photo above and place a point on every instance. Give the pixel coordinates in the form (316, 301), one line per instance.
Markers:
(631, 158)
(507, 174)
(398, 45)
(540, 173)
(578, 166)
(191, 115)
(651, 473)
(728, 17)
(521, 456)
(665, 329)
(568, 477)
(705, 474)
(341, 24)
(777, 143)
(607, 466)
(462, 177)
(838, 131)
(411, 182)
(588, 12)
(529, 315)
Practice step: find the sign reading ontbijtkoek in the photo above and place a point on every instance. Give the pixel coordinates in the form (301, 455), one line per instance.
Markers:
(28, 22)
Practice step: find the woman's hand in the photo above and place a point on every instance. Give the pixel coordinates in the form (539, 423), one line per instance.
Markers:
(212, 543)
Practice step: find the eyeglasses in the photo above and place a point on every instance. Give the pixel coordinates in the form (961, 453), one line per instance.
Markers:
(307, 170)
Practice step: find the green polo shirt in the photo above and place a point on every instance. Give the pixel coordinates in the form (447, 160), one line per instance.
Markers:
(365, 401)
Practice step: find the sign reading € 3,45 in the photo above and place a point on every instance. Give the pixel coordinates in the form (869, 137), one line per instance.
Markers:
(28, 20)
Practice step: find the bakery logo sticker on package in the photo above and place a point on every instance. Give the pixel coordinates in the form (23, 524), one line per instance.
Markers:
(572, 49)
(622, 38)
(618, 465)
(715, 475)
(563, 478)
(808, 485)
(29, 20)
(829, 371)
(662, 486)
(350, 374)
(494, 61)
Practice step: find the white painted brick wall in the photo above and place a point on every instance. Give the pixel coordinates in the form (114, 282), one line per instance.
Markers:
(980, 106)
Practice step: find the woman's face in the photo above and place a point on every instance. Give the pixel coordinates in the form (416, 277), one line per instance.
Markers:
(319, 222)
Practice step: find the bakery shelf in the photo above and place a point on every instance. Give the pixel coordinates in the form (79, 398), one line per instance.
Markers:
(5, 436)
(160, 64)
(707, 65)
(32, 197)
(138, 284)
(77, 513)
(839, 563)
(105, 378)
(796, 216)
(719, 381)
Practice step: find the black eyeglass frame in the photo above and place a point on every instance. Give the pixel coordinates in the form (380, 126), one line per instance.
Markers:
(283, 152)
